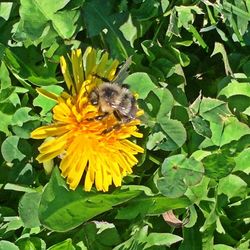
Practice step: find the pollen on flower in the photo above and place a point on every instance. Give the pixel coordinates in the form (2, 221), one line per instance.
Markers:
(87, 153)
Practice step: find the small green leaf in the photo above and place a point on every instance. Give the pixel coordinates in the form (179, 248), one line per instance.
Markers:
(65, 245)
(175, 134)
(140, 83)
(4, 245)
(179, 173)
(45, 103)
(129, 31)
(161, 239)
(5, 94)
(10, 150)
(21, 116)
(218, 165)
(32, 243)
(236, 88)
(28, 209)
(219, 48)
(201, 126)
(243, 161)
(232, 186)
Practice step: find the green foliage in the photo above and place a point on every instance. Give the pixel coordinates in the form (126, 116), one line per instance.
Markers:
(191, 72)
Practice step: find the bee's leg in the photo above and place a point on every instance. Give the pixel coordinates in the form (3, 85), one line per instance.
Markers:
(102, 78)
(117, 115)
(116, 126)
(99, 117)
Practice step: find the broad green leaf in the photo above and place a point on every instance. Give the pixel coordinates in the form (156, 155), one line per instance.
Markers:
(62, 210)
(161, 239)
(218, 165)
(9, 149)
(144, 205)
(4, 245)
(140, 83)
(179, 173)
(28, 209)
(175, 134)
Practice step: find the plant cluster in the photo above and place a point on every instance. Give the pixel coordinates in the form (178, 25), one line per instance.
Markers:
(191, 75)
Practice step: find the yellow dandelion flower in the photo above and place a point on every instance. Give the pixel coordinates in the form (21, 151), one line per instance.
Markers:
(99, 158)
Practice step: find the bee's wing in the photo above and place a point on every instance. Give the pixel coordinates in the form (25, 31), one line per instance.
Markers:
(123, 72)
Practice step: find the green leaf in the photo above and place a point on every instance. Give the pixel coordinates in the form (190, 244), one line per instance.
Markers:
(219, 48)
(236, 88)
(9, 149)
(239, 210)
(222, 247)
(99, 17)
(28, 209)
(192, 238)
(4, 245)
(179, 173)
(140, 83)
(212, 110)
(231, 130)
(218, 165)
(129, 31)
(145, 205)
(166, 102)
(161, 239)
(65, 245)
(45, 103)
(147, 10)
(175, 134)
(4, 76)
(21, 116)
(243, 161)
(232, 186)
(24, 68)
(61, 209)
(5, 94)
(47, 15)
(32, 243)
(201, 126)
